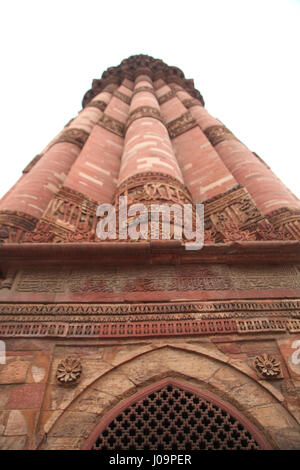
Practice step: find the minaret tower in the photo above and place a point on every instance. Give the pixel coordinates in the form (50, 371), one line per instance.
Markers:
(142, 344)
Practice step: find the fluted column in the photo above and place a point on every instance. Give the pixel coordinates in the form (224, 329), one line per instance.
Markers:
(71, 214)
(203, 171)
(149, 170)
(266, 189)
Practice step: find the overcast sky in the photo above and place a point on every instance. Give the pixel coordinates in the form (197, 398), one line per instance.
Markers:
(243, 56)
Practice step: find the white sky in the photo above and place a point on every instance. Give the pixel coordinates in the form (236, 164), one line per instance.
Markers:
(243, 56)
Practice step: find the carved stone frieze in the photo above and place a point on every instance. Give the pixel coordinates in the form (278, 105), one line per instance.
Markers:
(182, 124)
(142, 112)
(154, 187)
(233, 212)
(151, 279)
(266, 231)
(168, 96)
(73, 136)
(14, 225)
(97, 104)
(69, 217)
(218, 133)
(190, 102)
(112, 124)
(69, 371)
(148, 89)
(125, 98)
(286, 220)
(267, 367)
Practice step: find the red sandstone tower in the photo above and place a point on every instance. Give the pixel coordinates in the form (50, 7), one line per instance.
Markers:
(125, 344)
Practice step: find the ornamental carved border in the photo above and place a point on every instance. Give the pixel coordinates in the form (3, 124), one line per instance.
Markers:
(125, 98)
(70, 216)
(182, 124)
(217, 134)
(142, 112)
(286, 219)
(241, 309)
(152, 177)
(112, 124)
(101, 105)
(144, 88)
(190, 102)
(73, 136)
(168, 96)
(56, 327)
(14, 225)
(232, 207)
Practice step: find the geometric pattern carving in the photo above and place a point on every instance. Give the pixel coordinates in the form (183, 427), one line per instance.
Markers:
(173, 419)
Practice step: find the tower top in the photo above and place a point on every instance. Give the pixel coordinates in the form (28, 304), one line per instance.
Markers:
(137, 65)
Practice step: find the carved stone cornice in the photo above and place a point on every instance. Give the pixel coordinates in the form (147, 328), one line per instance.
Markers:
(217, 134)
(141, 64)
(168, 96)
(32, 163)
(142, 112)
(97, 104)
(112, 124)
(182, 124)
(73, 136)
(125, 98)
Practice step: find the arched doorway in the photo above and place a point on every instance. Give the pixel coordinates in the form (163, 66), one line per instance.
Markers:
(174, 415)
